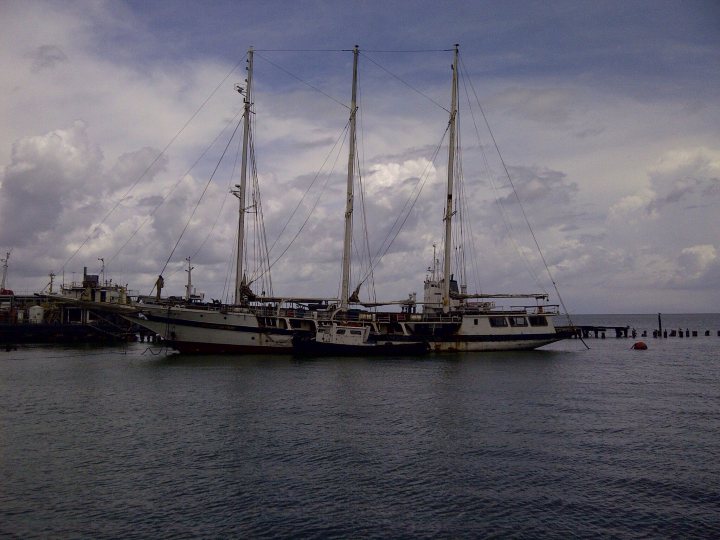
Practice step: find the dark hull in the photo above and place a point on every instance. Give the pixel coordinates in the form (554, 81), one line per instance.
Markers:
(494, 343)
(309, 347)
(60, 333)
(223, 348)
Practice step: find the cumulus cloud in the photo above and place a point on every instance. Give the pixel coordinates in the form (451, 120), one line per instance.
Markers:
(48, 176)
(633, 207)
(695, 260)
(686, 179)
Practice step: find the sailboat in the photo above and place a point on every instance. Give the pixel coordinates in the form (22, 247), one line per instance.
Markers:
(453, 320)
(449, 319)
(244, 326)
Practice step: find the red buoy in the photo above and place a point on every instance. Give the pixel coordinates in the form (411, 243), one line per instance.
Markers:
(640, 346)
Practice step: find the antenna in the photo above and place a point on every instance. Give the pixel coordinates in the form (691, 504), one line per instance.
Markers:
(188, 287)
(5, 268)
(102, 269)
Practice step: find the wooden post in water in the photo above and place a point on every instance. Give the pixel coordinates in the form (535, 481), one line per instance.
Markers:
(659, 325)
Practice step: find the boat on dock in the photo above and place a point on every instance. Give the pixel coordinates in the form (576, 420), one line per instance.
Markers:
(86, 312)
(353, 339)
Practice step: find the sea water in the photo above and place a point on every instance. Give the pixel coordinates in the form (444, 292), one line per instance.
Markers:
(561, 442)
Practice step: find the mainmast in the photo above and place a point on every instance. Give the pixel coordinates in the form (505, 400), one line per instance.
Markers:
(347, 245)
(451, 174)
(242, 187)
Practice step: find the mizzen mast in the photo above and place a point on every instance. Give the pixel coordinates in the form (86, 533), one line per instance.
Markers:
(451, 175)
(347, 245)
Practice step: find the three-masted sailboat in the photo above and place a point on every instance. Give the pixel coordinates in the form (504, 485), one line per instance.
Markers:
(449, 319)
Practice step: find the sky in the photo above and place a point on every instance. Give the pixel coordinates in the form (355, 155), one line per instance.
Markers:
(114, 114)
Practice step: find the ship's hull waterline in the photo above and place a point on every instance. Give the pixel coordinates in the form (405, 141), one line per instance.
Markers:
(214, 332)
(201, 331)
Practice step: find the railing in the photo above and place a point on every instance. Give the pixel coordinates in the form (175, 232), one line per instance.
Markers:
(395, 317)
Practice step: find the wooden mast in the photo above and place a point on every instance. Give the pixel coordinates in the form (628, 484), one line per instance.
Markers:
(242, 187)
(347, 245)
(451, 173)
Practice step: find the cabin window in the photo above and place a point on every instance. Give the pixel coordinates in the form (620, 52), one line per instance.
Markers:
(340, 331)
(496, 322)
(518, 321)
(356, 332)
(538, 320)
(476, 321)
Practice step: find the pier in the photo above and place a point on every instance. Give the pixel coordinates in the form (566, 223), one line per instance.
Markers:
(584, 331)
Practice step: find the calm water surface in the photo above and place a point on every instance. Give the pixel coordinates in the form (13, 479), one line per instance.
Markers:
(606, 442)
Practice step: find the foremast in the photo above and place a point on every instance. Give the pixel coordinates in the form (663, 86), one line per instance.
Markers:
(242, 187)
(450, 181)
(347, 244)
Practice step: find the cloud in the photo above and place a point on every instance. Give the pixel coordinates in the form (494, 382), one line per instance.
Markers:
(697, 268)
(633, 207)
(688, 178)
(542, 105)
(695, 260)
(613, 149)
(47, 57)
(48, 176)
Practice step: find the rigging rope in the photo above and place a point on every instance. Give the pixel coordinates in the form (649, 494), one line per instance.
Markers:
(262, 253)
(172, 189)
(197, 204)
(317, 199)
(411, 87)
(350, 50)
(411, 200)
(222, 204)
(503, 211)
(342, 137)
(229, 267)
(154, 161)
(522, 208)
(302, 81)
(409, 50)
(301, 50)
(366, 245)
(466, 223)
